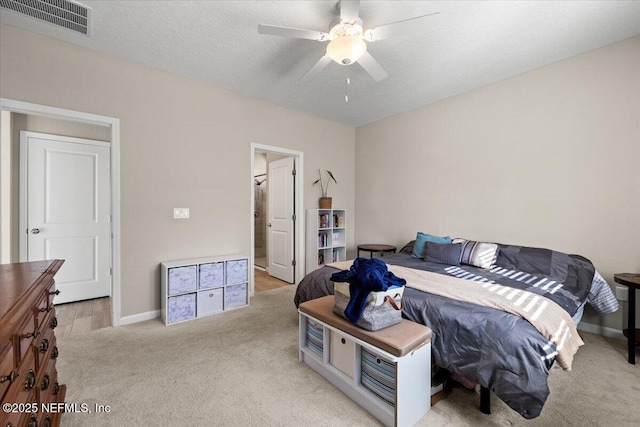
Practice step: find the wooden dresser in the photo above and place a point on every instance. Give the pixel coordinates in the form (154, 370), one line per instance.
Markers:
(28, 378)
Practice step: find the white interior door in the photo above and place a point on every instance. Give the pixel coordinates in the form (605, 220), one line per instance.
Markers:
(280, 219)
(68, 208)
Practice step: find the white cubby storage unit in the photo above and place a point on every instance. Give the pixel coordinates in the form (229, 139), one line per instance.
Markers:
(200, 287)
(394, 389)
(326, 237)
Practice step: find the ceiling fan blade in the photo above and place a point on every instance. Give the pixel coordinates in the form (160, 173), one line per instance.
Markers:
(400, 28)
(319, 66)
(372, 67)
(292, 32)
(349, 10)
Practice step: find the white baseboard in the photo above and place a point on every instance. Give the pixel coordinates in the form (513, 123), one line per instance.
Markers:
(601, 330)
(140, 317)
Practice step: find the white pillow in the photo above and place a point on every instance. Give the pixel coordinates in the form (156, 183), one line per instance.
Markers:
(478, 254)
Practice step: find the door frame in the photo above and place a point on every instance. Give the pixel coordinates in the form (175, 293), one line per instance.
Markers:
(113, 124)
(298, 200)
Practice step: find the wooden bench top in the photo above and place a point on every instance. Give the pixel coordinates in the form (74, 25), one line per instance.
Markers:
(398, 339)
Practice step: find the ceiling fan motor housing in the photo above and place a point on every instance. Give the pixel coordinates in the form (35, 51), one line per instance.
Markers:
(347, 44)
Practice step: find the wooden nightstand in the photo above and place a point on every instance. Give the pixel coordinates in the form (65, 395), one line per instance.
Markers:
(376, 248)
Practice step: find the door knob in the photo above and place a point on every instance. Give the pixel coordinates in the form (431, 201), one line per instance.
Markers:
(35, 231)
(268, 224)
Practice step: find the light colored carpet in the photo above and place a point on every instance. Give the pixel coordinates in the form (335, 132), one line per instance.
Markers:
(241, 368)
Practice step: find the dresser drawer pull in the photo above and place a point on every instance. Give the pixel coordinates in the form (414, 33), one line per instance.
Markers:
(44, 345)
(45, 382)
(30, 334)
(11, 377)
(47, 309)
(53, 323)
(31, 380)
(56, 292)
(54, 352)
(33, 421)
(47, 421)
(56, 388)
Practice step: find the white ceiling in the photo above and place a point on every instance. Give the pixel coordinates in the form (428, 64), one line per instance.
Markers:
(468, 45)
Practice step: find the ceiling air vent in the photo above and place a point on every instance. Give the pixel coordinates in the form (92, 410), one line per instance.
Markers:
(63, 13)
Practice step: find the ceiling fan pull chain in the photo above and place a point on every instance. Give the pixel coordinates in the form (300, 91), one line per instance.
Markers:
(346, 90)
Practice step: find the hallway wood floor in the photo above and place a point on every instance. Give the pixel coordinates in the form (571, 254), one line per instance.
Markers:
(264, 282)
(77, 318)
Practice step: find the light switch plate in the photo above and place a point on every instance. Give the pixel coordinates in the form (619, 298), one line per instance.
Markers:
(180, 213)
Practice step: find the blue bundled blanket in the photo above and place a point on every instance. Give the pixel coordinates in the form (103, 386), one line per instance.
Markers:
(365, 275)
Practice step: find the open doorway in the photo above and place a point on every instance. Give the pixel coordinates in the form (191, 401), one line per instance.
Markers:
(260, 189)
(276, 216)
(104, 131)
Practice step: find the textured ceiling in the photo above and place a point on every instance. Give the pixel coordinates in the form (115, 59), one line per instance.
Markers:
(468, 45)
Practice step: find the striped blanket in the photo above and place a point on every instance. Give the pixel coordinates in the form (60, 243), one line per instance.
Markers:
(551, 320)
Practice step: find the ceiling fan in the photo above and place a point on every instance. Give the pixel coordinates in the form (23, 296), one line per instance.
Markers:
(348, 39)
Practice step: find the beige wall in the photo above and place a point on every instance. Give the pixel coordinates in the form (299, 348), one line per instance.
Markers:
(547, 158)
(183, 144)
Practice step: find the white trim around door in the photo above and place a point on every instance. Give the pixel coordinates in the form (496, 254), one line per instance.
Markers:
(114, 125)
(299, 208)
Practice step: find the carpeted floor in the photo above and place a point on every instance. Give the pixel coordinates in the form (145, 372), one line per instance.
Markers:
(241, 368)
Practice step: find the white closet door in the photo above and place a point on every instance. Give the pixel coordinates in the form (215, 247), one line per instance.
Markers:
(68, 211)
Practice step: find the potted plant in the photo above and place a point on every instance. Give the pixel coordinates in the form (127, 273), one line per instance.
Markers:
(325, 202)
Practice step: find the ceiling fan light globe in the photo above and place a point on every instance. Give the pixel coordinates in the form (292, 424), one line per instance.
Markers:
(346, 50)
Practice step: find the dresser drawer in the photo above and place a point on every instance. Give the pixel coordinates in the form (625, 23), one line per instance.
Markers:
(11, 418)
(342, 353)
(52, 292)
(8, 372)
(43, 343)
(24, 388)
(50, 395)
(41, 310)
(45, 419)
(25, 335)
(47, 377)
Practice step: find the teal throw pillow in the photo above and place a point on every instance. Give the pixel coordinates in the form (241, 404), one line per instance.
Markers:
(422, 238)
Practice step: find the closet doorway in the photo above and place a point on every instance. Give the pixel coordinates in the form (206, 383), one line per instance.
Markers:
(276, 205)
(260, 210)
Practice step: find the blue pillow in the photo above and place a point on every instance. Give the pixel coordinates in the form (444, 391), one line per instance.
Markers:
(422, 238)
(443, 253)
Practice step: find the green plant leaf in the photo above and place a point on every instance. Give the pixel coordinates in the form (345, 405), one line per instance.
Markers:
(332, 177)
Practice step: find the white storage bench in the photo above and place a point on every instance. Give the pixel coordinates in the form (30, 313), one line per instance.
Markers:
(387, 372)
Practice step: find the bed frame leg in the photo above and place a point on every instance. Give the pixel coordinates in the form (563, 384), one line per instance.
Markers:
(485, 400)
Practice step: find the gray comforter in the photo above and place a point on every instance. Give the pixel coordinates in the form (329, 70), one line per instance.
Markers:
(498, 350)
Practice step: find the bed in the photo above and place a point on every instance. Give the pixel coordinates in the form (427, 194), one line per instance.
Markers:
(498, 350)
